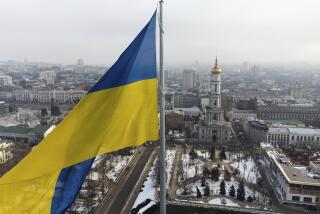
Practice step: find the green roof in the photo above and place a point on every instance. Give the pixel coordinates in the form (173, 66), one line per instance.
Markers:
(39, 129)
(15, 129)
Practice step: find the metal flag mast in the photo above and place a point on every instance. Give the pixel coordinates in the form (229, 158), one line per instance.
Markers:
(162, 119)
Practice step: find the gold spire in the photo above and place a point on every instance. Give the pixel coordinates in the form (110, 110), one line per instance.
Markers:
(216, 69)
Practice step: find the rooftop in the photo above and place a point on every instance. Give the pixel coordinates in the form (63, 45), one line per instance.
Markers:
(304, 131)
(278, 130)
(294, 174)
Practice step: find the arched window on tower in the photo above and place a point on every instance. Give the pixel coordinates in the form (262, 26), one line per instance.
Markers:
(215, 87)
(215, 103)
(215, 117)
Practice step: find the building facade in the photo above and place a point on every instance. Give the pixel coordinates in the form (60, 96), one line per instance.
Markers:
(55, 96)
(185, 100)
(256, 130)
(283, 136)
(302, 112)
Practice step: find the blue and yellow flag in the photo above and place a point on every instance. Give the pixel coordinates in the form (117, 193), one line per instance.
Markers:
(119, 111)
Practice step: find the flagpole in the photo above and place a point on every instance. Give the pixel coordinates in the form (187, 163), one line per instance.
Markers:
(162, 120)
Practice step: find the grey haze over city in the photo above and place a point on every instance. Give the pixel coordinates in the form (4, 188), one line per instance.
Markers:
(265, 31)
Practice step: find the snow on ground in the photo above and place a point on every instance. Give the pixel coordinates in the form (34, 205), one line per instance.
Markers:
(97, 161)
(248, 170)
(215, 188)
(94, 176)
(117, 164)
(224, 201)
(149, 190)
(234, 156)
(169, 159)
(190, 167)
(203, 154)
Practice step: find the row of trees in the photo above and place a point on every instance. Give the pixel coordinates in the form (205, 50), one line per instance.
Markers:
(239, 194)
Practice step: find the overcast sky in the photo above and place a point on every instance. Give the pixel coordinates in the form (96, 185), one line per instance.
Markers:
(99, 30)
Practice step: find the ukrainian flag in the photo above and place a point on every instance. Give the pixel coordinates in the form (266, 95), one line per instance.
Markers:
(119, 111)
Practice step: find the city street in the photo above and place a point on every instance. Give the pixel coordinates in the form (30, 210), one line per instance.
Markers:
(123, 194)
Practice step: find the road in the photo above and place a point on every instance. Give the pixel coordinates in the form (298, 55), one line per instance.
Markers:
(174, 177)
(121, 195)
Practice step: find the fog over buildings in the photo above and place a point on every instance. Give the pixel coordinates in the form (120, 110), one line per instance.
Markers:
(265, 31)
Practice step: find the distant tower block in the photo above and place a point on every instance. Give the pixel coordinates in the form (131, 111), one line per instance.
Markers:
(296, 90)
(80, 62)
(188, 79)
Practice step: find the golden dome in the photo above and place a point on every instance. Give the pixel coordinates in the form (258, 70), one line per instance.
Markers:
(216, 69)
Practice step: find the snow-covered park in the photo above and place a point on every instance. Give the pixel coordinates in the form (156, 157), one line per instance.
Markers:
(248, 170)
(190, 167)
(214, 186)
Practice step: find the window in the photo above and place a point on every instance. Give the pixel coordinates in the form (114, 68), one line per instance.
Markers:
(295, 198)
(292, 138)
(307, 199)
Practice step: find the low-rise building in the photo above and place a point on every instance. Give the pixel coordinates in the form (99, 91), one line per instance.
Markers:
(302, 112)
(278, 136)
(57, 96)
(31, 135)
(292, 184)
(281, 136)
(304, 135)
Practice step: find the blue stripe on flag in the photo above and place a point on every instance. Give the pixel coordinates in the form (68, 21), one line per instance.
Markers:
(137, 62)
(68, 185)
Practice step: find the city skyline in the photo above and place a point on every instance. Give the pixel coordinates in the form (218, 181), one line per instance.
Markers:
(258, 32)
